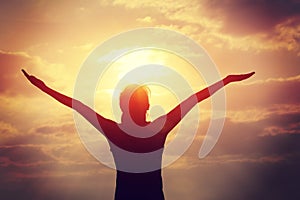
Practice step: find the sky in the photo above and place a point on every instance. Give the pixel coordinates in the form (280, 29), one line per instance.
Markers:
(257, 155)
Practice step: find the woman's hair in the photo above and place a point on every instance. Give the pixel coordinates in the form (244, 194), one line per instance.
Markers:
(134, 98)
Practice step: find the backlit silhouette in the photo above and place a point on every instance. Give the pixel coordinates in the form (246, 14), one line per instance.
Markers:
(134, 104)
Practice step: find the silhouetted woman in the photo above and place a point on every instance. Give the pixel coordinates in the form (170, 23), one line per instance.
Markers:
(136, 135)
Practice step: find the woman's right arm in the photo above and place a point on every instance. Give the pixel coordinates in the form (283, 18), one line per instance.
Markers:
(98, 121)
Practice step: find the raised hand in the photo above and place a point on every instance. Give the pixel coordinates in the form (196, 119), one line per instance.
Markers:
(239, 77)
(35, 81)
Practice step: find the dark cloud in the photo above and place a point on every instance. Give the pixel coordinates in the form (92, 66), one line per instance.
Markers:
(38, 139)
(29, 162)
(246, 179)
(251, 139)
(243, 164)
(24, 155)
(223, 181)
(67, 187)
(55, 129)
(263, 94)
(251, 16)
(234, 181)
(30, 173)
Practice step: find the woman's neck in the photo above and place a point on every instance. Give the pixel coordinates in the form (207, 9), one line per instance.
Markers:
(138, 120)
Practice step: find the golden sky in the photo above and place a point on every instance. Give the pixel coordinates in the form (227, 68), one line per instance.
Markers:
(257, 155)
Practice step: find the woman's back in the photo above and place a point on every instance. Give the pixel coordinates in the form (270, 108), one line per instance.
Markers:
(137, 186)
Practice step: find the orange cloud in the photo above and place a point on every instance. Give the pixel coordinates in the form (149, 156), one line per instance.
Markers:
(259, 31)
(7, 129)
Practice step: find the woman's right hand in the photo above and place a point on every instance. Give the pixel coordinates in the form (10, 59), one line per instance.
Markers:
(35, 81)
(239, 77)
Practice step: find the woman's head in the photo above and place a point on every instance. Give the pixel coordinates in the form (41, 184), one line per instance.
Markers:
(134, 102)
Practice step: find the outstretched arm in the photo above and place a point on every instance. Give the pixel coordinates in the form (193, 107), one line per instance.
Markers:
(175, 115)
(94, 118)
(67, 101)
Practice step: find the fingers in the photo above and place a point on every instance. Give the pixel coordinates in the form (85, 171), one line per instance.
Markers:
(249, 74)
(25, 73)
(240, 77)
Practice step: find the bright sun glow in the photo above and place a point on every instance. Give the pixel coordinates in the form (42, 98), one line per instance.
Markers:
(122, 72)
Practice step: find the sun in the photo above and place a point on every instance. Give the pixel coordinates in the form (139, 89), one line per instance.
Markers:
(145, 67)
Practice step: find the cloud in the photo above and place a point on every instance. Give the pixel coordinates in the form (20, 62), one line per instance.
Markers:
(234, 180)
(67, 187)
(10, 66)
(45, 134)
(56, 129)
(243, 25)
(248, 16)
(35, 176)
(59, 168)
(12, 80)
(256, 114)
(7, 129)
(288, 34)
(85, 47)
(274, 80)
(243, 159)
(22, 156)
(254, 138)
(146, 19)
(264, 94)
(276, 130)
(41, 61)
